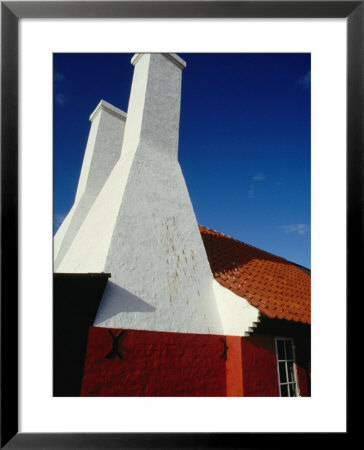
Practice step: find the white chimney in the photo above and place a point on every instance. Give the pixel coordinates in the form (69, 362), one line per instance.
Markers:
(142, 228)
(102, 152)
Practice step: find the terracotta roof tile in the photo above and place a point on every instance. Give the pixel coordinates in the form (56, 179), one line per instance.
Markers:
(278, 288)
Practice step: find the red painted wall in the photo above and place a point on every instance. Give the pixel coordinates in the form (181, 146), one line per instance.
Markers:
(155, 364)
(259, 366)
(177, 364)
(260, 376)
(302, 352)
(234, 374)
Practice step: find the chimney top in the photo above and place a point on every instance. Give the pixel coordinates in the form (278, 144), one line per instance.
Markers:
(171, 56)
(105, 106)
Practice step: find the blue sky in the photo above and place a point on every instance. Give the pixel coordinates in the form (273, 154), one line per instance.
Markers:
(245, 139)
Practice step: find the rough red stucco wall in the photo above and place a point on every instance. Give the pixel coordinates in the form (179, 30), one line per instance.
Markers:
(302, 381)
(156, 364)
(178, 364)
(260, 377)
(259, 366)
(234, 375)
(303, 375)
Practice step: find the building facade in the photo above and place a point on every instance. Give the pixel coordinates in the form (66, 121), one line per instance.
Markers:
(181, 310)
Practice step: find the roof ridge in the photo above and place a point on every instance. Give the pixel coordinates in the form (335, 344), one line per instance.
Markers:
(256, 248)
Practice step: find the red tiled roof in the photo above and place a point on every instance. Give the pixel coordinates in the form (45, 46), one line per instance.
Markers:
(277, 287)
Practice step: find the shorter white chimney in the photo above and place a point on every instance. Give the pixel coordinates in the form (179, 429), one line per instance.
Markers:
(103, 150)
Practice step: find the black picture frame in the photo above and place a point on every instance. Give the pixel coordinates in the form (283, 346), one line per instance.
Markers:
(11, 12)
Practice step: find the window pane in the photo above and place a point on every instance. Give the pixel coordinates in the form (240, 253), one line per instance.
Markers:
(282, 372)
(289, 351)
(284, 390)
(292, 390)
(280, 349)
(290, 368)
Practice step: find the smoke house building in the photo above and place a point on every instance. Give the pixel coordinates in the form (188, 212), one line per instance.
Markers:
(146, 301)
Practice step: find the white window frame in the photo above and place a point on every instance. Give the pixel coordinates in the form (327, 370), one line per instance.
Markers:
(295, 381)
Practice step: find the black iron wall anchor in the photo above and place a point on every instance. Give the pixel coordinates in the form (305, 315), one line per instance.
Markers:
(116, 348)
(224, 353)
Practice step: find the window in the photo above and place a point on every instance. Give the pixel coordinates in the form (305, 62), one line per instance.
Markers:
(287, 377)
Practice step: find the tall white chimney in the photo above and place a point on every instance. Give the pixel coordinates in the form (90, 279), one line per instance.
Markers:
(142, 228)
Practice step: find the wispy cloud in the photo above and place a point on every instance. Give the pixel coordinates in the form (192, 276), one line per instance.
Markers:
(60, 99)
(58, 76)
(256, 179)
(299, 228)
(305, 80)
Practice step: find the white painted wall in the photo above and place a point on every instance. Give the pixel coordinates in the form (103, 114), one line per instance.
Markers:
(142, 227)
(236, 313)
